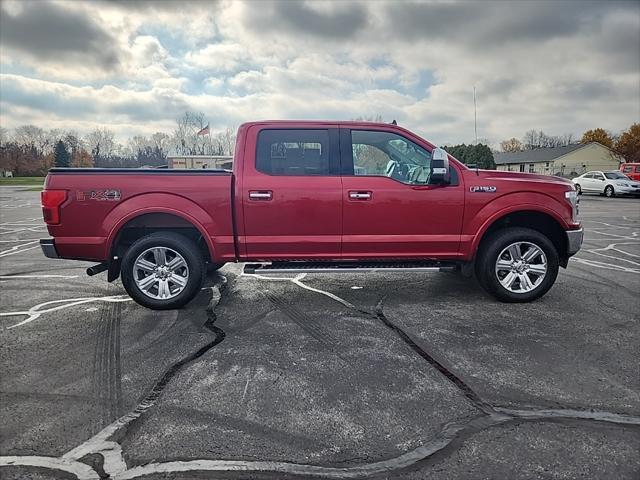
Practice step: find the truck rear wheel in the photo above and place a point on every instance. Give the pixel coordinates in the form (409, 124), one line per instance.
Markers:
(517, 264)
(163, 270)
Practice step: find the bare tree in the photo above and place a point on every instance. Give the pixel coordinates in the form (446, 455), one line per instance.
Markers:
(185, 136)
(101, 143)
(511, 145)
(30, 136)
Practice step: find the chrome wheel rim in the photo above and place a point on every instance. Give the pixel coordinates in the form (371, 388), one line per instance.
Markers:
(521, 267)
(161, 273)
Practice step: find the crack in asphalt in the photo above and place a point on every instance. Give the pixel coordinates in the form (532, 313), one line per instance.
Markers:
(466, 390)
(114, 466)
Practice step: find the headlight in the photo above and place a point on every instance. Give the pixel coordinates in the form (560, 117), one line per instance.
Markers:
(620, 184)
(572, 198)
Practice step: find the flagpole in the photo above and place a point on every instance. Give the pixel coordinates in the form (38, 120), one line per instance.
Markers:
(475, 114)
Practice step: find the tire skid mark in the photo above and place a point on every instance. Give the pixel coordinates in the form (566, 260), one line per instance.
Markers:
(308, 324)
(106, 364)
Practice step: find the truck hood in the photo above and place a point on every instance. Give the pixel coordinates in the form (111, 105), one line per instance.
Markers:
(523, 177)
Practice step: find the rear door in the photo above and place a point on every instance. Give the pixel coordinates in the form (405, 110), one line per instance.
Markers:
(390, 209)
(291, 193)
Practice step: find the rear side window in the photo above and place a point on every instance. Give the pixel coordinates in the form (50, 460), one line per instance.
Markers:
(638, 169)
(293, 152)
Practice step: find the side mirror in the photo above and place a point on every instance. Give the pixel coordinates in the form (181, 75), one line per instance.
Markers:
(440, 166)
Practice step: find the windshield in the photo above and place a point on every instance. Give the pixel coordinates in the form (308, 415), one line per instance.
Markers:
(615, 175)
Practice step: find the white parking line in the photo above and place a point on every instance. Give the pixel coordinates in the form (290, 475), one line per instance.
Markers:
(17, 251)
(16, 248)
(35, 312)
(7, 277)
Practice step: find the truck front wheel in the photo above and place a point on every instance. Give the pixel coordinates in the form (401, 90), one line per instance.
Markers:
(517, 264)
(163, 270)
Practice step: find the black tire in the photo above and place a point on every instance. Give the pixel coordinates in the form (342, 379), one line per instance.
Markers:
(609, 192)
(180, 244)
(494, 244)
(578, 189)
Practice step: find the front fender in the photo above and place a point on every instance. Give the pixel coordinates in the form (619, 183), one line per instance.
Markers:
(498, 208)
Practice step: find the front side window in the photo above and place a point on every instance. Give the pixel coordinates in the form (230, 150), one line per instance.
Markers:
(390, 155)
(293, 152)
(627, 169)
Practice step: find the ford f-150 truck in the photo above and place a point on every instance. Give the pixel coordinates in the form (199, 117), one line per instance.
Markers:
(316, 197)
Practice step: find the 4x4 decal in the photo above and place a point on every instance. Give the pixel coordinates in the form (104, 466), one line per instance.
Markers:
(99, 195)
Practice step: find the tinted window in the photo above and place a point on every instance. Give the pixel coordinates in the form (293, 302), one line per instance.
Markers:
(616, 175)
(390, 155)
(293, 152)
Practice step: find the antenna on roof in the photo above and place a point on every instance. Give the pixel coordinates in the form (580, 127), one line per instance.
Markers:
(394, 123)
(475, 121)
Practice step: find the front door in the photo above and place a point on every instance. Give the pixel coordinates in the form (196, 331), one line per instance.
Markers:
(390, 208)
(291, 194)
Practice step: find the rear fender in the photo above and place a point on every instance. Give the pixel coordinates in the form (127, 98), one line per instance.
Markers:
(162, 203)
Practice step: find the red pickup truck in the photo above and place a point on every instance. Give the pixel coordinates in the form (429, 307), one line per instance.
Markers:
(314, 197)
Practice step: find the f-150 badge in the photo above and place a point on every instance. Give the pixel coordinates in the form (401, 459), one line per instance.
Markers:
(99, 195)
(485, 189)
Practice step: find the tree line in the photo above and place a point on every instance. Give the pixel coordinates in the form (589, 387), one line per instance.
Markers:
(626, 144)
(29, 150)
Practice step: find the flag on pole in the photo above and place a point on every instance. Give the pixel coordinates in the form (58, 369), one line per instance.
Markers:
(204, 131)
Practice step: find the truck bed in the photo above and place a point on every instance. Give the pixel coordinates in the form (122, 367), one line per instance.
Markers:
(100, 201)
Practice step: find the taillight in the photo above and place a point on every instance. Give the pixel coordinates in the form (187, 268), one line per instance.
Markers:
(51, 201)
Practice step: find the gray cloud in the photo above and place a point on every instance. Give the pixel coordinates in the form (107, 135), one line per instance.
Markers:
(47, 31)
(489, 23)
(341, 22)
(161, 5)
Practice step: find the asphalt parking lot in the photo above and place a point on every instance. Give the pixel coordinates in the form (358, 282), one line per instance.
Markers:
(406, 376)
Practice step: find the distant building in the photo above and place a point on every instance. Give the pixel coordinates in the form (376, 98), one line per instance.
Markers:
(568, 161)
(200, 161)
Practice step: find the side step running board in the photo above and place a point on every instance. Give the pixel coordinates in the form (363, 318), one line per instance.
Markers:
(347, 267)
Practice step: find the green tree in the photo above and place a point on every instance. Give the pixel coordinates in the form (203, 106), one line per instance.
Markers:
(61, 155)
(628, 145)
(599, 135)
(479, 155)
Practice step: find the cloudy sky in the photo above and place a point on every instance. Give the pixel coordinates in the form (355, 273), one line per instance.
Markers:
(134, 67)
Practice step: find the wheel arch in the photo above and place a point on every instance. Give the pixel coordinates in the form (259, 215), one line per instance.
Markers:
(143, 221)
(542, 220)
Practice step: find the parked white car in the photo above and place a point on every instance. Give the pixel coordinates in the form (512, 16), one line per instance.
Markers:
(609, 183)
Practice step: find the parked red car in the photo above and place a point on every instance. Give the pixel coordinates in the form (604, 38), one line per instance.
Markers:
(631, 170)
(314, 196)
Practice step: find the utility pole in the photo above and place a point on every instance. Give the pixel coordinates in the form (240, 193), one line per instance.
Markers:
(475, 114)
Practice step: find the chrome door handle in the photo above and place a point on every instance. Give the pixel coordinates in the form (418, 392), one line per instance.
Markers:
(360, 195)
(261, 195)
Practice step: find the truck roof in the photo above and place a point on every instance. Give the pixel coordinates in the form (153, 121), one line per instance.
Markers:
(320, 123)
